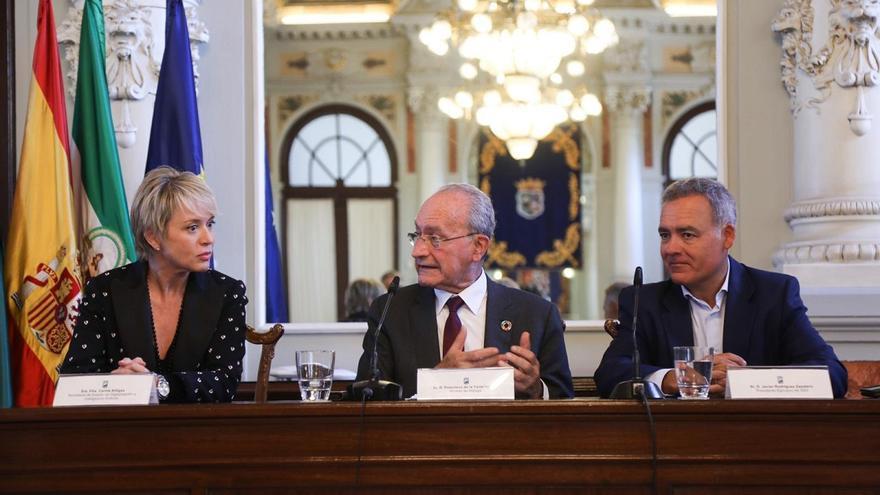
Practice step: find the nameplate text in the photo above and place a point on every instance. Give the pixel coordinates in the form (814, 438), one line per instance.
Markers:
(465, 384)
(778, 382)
(105, 389)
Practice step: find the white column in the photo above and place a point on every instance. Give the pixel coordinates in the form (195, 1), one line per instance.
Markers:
(627, 106)
(831, 81)
(135, 32)
(432, 140)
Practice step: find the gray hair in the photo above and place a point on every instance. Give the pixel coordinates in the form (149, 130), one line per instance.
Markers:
(360, 294)
(481, 217)
(722, 202)
(163, 191)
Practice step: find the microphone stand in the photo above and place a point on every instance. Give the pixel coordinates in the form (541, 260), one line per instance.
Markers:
(374, 388)
(637, 387)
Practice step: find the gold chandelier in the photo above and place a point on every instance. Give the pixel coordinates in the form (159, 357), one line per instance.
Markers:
(514, 51)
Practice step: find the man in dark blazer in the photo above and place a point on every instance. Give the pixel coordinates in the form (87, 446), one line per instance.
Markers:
(493, 325)
(755, 317)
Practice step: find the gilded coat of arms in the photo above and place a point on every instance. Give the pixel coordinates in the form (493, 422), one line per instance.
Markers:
(530, 198)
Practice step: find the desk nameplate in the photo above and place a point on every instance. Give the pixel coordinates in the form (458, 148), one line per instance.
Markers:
(465, 384)
(105, 389)
(778, 382)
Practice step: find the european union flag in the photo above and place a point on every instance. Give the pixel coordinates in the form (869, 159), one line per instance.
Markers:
(276, 292)
(175, 138)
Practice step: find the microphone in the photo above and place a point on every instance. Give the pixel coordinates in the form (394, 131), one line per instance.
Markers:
(374, 388)
(637, 386)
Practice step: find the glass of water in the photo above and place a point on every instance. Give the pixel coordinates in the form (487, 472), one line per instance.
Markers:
(315, 374)
(693, 371)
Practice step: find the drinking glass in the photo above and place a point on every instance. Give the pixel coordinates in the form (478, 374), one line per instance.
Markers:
(693, 371)
(315, 374)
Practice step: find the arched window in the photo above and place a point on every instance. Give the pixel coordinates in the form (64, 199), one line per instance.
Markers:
(691, 147)
(339, 207)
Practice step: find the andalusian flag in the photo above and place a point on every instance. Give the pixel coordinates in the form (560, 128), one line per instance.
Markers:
(41, 274)
(108, 239)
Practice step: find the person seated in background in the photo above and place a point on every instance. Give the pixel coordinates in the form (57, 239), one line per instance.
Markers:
(508, 282)
(359, 295)
(168, 313)
(611, 307)
(750, 316)
(388, 276)
(456, 317)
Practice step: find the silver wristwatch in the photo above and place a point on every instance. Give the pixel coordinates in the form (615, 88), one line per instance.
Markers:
(163, 389)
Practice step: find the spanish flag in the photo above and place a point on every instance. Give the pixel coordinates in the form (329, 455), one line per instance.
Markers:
(41, 273)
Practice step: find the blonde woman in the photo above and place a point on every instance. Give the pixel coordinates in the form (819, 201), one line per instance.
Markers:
(168, 313)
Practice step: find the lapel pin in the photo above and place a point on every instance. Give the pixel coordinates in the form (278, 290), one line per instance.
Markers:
(506, 325)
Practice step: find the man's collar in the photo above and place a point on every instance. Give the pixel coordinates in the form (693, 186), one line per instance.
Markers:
(472, 295)
(719, 296)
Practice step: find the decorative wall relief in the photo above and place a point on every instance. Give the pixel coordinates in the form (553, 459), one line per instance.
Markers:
(385, 104)
(850, 58)
(628, 56)
(632, 99)
(671, 102)
(132, 60)
(699, 57)
(288, 105)
(294, 64)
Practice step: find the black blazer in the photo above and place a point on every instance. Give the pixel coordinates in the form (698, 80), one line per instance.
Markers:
(115, 323)
(765, 322)
(409, 338)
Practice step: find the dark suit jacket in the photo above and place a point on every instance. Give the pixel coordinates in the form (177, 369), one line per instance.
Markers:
(115, 323)
(409, 338)
(765, 322)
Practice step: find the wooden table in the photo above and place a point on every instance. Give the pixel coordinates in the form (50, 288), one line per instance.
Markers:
(523, 447)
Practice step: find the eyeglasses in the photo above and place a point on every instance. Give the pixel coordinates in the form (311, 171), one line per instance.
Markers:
(433, 239)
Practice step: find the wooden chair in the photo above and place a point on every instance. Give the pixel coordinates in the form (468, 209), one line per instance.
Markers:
(860, 374)
(267, 340)
(612, 327)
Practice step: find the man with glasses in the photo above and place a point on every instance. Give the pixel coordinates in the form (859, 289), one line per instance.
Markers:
(455, 317)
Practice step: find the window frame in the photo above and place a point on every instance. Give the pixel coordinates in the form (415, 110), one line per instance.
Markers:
(339, 193)
(676, 128)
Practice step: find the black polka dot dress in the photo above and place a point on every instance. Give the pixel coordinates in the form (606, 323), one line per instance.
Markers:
(115, 322)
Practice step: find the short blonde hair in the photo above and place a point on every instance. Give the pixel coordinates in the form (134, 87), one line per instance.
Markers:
(161, 193)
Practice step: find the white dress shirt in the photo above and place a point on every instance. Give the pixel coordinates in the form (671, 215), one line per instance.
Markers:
(708, 323)
(472, 315)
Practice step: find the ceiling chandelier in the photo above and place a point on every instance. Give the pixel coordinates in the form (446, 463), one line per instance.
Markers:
(512, 52)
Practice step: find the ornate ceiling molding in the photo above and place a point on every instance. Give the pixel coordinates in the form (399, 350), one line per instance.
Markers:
(336, 32)
(850, 58)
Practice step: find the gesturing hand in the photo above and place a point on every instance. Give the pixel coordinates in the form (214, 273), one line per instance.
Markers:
(457, 357)
(527, 369)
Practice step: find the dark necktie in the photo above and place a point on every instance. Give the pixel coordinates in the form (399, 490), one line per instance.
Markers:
(453, 323)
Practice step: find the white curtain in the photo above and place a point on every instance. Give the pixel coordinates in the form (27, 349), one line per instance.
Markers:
(311, 257)
(370, 238)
